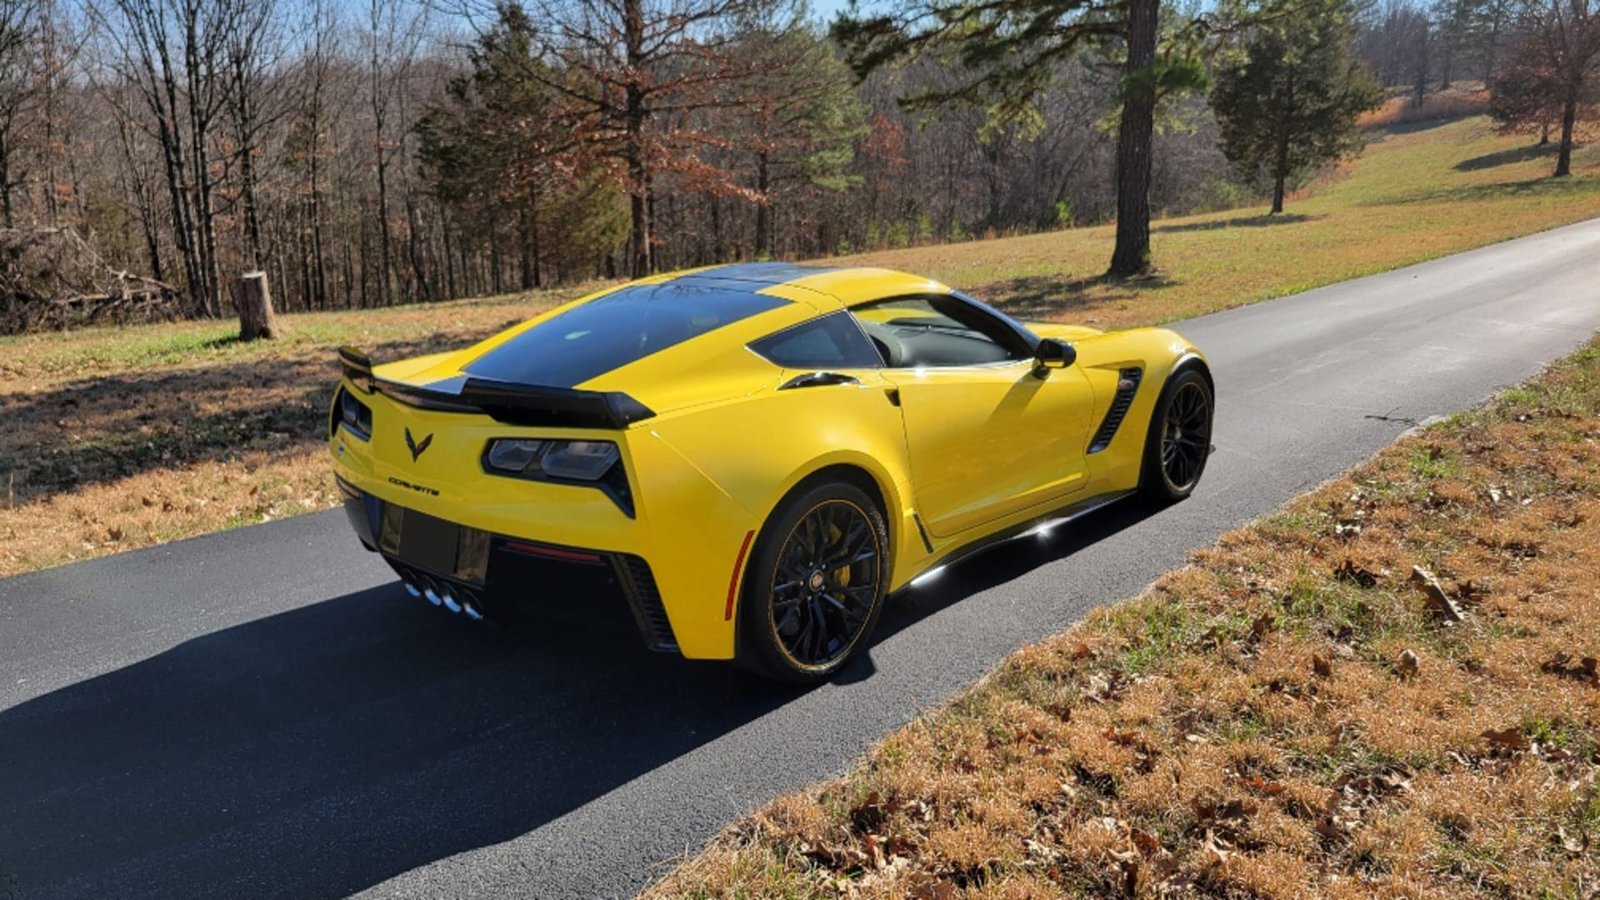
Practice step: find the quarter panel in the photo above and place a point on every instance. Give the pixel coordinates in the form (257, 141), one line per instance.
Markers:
(760, 449)
(1154, 350)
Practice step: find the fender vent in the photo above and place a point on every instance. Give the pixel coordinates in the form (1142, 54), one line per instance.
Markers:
(646, 602)
(1127, 386)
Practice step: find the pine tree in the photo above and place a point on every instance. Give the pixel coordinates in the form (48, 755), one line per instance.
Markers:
(495, 158)
(1288, 101)
(1011, 51)
(801, 119)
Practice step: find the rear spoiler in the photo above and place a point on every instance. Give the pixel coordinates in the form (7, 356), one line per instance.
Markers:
(513, 404)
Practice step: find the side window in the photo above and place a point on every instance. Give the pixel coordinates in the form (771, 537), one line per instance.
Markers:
(936, 332)
(833, 341)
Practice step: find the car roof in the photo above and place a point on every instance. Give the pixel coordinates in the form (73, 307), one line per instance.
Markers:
(826, 287)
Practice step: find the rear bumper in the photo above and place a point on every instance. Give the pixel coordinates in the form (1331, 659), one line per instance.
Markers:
(522, 578)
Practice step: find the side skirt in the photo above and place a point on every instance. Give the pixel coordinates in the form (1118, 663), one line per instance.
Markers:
(1036, 525)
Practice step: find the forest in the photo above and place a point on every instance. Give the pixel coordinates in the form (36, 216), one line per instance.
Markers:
(376, 152)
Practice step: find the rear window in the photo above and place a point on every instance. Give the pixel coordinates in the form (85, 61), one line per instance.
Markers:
(615, 330)
(832, 342)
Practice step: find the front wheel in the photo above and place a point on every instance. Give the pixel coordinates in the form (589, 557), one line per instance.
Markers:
(815, 585)
(1179, 441)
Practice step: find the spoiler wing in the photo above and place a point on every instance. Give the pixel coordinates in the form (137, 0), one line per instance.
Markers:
(513, 404)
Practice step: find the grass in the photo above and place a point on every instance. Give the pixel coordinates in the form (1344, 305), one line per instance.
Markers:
(1421, 190)
(112, 439)
(1285, 717)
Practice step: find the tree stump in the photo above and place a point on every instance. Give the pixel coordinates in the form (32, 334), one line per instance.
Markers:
(253, 298)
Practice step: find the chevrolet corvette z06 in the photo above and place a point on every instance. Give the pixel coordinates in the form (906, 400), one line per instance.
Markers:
(746, 461)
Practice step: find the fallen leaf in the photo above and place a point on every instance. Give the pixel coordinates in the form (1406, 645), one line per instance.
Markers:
(1215, 850)
(1263, 624)
(870, 814)
(928, 888)
(1261, 785)
(1408, 666)
(1508, 738)
(1355, 574)
(874, 851)
(1576, 846)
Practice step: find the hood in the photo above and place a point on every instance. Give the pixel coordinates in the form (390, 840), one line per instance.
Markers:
(1062, 331)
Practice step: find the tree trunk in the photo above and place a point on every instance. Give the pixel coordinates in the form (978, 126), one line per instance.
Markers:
(5, 184)
(253, 298)
(419, 271)
(1280, 165)
(1132, 253)
(638, 174)
(385, 252)
(1569, 118)
(1419, 88)
(763, 208)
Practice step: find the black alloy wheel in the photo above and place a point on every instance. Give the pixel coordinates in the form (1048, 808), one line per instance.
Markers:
(816, 584)
(1179, 441)
(1186, 435)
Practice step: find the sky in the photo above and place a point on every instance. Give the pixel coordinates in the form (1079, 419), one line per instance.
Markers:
(825, 10)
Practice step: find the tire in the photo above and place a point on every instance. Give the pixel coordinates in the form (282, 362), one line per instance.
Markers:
(801, 620)
(1179, 440)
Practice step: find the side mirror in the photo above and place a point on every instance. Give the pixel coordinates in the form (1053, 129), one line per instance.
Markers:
(1052, 354)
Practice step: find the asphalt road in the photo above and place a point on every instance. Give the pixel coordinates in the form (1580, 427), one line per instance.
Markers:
(265, 713)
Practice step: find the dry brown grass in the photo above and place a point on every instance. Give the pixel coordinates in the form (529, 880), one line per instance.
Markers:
(111, 440)
(1464, 99)
(1285, 717)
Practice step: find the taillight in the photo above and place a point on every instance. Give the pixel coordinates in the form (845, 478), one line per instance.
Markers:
(594, 463)
(354, 415)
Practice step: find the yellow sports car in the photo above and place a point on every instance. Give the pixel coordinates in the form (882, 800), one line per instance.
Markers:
(749, 459)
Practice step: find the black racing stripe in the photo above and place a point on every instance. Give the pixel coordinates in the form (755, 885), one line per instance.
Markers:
(616, 329)
(763, 273)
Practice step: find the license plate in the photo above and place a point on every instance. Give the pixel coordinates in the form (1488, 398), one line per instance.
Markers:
(433, 544)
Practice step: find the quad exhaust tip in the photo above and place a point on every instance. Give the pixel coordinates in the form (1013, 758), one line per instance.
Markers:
(442, 594)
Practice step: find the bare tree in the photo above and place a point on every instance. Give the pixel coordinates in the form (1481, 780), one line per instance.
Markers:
(18, 93)
(1552, 74)
(176, 52)
(626, 67)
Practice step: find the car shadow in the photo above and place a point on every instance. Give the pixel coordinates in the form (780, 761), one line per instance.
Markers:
(997, 566)
(325, 749)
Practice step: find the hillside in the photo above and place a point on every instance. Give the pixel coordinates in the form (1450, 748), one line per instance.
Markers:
(1420, 190)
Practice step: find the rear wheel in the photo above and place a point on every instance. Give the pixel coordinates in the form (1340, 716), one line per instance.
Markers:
(1179, 441)
(815, 585)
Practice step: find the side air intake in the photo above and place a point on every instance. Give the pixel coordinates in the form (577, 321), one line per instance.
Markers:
(645, 600)
(1127, 386)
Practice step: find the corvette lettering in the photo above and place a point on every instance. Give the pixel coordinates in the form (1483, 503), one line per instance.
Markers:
(421, 489)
